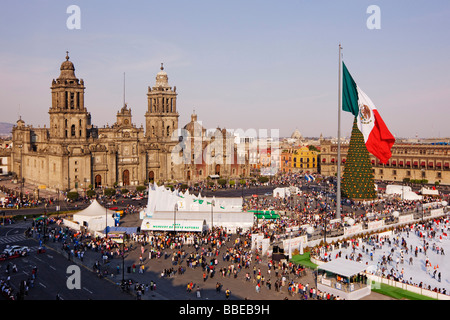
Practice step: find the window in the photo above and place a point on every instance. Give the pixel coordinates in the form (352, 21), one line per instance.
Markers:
(72, 96)
(72, 131)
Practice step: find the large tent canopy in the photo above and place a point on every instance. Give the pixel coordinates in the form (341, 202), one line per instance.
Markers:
(192, 213)
(163, 199)
(404, 191)
(95, 216)
(431, 192)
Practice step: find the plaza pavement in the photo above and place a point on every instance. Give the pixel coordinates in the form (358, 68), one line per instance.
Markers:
(174, 287)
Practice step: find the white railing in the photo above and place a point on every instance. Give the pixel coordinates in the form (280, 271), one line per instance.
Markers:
(407, 287)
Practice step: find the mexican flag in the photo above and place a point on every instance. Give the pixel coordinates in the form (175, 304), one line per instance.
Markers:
(377, 137)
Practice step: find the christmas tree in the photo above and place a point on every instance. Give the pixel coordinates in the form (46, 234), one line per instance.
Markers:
(357, 181)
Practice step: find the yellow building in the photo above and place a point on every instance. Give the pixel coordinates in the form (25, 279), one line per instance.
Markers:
(299, 159)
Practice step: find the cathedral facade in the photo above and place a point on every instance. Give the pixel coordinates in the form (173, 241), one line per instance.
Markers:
(73, 153)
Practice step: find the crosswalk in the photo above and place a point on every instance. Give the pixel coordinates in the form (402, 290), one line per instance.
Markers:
(12, 239)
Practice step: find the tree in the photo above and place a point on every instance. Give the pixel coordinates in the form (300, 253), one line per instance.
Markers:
(263, 179)
(141, 188)
(73, 195)
(222, 182)
(91, 193)
(109, 192)
(358, 181)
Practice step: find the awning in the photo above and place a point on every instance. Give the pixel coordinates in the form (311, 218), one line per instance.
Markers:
(343, 267)
(168, 225)
(267, 216)
(438, 164)
(394, 163)
(430, 164)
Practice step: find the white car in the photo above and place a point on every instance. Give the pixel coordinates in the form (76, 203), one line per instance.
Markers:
(16, 249)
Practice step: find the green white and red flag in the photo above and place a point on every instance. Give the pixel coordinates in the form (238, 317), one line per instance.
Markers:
(377, 137)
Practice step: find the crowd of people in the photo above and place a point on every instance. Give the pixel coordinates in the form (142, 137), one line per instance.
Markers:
(8, 291)
(397, 251)
(219, 254)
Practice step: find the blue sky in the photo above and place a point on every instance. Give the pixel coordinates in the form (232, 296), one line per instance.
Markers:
(239, 64)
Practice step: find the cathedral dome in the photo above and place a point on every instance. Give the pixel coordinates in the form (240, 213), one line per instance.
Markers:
(67, 69)
(161, 78)
(296, 135)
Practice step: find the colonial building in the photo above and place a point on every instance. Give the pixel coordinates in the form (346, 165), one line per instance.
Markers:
(73, 153)
(419, 161)
(298, 159)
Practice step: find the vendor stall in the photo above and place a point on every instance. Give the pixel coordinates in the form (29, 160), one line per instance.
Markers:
(343, 278)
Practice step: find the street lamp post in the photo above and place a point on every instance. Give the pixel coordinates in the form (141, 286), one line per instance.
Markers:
(175, 209)
(106, 220)
(123, 262)
(21, 172)
(213, 203)
(45, 219)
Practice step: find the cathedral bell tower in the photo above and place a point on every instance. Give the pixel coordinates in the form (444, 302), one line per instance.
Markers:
(69, 118)
(161, 118)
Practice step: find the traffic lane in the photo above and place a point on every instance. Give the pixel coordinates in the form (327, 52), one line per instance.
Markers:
(52, 279)
(57, 275)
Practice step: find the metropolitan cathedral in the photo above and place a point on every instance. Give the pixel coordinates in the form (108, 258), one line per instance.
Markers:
(73, 153)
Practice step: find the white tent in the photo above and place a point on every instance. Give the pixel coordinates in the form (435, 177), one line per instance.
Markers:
(197, 221)
(281, 192)
(192, 213)
(404, 192)
(94, 217)
(161, 199)
(425, 191)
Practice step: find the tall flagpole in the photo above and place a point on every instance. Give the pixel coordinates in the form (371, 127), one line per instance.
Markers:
(338, 192)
